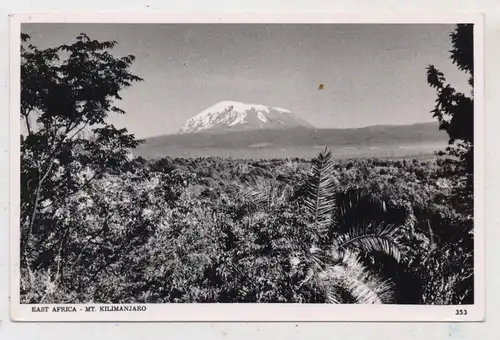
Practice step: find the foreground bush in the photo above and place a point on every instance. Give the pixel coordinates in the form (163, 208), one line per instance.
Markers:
(304, 232)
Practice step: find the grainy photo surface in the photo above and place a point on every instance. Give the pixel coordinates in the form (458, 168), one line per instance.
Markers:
(247, 163)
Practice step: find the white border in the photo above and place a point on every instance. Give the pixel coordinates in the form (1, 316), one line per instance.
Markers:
(256, 312)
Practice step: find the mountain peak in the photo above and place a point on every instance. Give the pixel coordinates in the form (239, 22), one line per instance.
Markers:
(232, 115)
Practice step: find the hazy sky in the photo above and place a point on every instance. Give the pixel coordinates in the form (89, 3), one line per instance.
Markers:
(373, 74)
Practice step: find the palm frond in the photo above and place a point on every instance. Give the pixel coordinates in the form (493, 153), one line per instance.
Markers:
(379, 238)
(313, 261)
(352, 198)
(319, 188)
(256, 196)
(331, 297)
(349, 281)
(264, 194)
(360, 206)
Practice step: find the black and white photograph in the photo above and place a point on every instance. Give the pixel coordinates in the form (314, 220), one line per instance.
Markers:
(324, 165)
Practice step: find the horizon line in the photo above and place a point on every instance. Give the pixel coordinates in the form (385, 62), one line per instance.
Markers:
(300, 127)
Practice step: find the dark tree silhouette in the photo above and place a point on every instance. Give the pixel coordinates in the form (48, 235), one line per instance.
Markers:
(67, 93)
(455, 113)
(455, 110)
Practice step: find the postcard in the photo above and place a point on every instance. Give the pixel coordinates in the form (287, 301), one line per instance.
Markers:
(247, 167)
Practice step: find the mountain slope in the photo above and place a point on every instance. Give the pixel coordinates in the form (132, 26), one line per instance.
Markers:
(232, 115)
(373, 141)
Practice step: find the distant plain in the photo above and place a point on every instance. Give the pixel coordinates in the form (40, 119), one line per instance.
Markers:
(406, 141)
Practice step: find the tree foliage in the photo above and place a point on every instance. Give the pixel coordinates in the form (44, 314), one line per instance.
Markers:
(455, 113)
(67, 92)
(455, 110)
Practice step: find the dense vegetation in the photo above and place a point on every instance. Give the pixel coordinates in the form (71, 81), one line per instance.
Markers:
(98, 226)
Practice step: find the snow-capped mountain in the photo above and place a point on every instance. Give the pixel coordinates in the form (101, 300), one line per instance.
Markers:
(232, 115)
